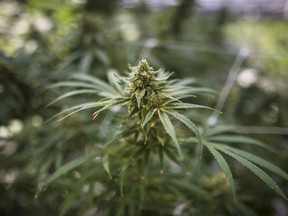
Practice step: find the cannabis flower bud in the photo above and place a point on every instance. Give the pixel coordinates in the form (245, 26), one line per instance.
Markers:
(144, 87)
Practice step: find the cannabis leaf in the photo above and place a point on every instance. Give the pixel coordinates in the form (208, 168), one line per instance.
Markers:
(218, 143)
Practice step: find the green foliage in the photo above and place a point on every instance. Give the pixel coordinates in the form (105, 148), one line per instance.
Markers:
(142, 154)
(245, 158)
(152, 103)
(142, 94)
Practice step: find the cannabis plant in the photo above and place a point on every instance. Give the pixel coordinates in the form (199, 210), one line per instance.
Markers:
(149, 146)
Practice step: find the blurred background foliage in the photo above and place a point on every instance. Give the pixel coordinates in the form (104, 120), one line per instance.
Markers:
(42, 42)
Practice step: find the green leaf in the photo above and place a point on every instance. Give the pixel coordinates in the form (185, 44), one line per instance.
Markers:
(115, 102)
(70, 166)
(75, 109)
(80, 107)
(257, 160)
(161, 158)
(183, 96)
(86, 62)
(44, 168)
(178, 90)
(70, 59)
(194, 140)
(59, 160)
(185, 82)
(163, 76)
(173, 99)
(185, 121)
(105, 161)
(170, 130)
(255, 169)
(132, 208)
(223, 164)
(103, 57)
(121, 180)
(106, 211)
(95, 81)
(113, 78)
(69, 200)
(142, 192)
(172, 156)
(139, 94)
(74, 84)
(148, 117)
(190, 186)
(240, 140)
(120, 209)
(102, 103)
(72, 93)
(218, 129)
(124, 168)
(187, 106)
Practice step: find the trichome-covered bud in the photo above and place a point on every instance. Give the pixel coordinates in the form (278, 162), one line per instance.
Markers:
(144, 86)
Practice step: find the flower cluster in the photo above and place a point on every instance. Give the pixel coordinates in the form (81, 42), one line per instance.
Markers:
(144, 87)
